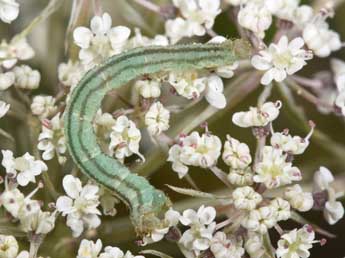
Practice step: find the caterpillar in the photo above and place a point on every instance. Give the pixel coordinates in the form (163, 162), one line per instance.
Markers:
(146, 203)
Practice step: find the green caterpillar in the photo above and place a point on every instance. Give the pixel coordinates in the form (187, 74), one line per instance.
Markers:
(146, 203)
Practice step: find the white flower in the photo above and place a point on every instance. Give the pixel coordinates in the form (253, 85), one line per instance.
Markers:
(157, 119)
(195, 150)
(4, 107)
(320, 38)
(254, 245)
(296, 243)
(26, 166)
(294, 145)
(70, 73)
(89, 249)
(43, 106)
(6, 80)
(256, 17)
(8, 247)
(284, 9)
(236, 154)
(177, 29)
(302, 15)
(281, 59)
(241, 177)
(299, 200)
(197, 15)
(257, 116)
(202, 226)
(39, 222)
(214, 92)
(171, 218)
(26, 78)
(260, 220)
(9, 10)
(274, 171)
(245, 198)
(187, 84)
(101, 41)
(333, 210)
(124, 139)
(281, 209)
(148, 88)
(222, 247)
(80, 205)
(16, 50)
(51, 139)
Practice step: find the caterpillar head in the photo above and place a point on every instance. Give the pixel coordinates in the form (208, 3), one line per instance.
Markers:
(151, 217)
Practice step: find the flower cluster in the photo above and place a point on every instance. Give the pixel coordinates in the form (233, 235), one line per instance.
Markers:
(253, 209)
(196, 17)
(194, 150)
(27, 211)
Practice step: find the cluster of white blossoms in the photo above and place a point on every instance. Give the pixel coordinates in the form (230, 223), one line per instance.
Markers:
(27, 211)
(194, 150)
(101, 40)
(22, 77)
(255, 209)
(257, 16)
(197, 16)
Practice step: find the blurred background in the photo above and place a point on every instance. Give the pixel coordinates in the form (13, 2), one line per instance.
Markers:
(48, 40)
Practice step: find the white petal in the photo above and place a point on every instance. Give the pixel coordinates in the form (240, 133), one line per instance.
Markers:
(72, 186)
(64, 204)
(82, 37)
